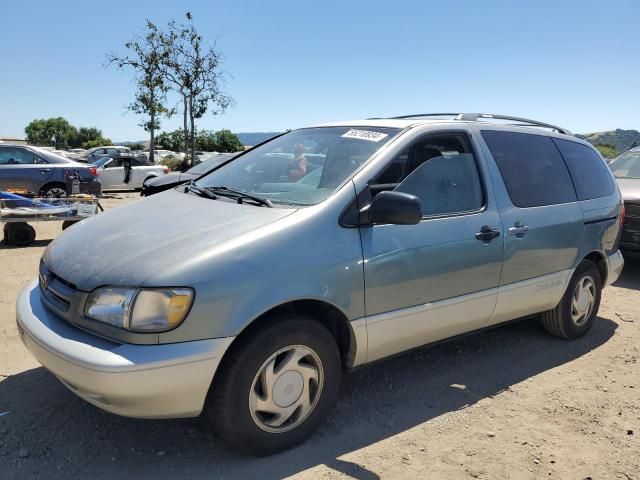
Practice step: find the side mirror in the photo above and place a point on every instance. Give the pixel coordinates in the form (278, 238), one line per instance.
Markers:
(395, 208)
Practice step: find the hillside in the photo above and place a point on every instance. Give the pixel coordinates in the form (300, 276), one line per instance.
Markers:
(621, 140)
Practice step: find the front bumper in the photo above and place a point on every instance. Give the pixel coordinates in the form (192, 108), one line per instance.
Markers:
(143, 381)
(615, 264)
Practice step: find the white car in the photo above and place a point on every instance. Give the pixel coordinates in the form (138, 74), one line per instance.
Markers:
(112, 173)
(165, 154)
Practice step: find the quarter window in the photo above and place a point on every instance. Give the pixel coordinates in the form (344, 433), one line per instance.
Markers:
(590, 174)
(531, 167)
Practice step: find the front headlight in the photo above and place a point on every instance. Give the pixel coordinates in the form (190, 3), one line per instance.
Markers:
(139, 310)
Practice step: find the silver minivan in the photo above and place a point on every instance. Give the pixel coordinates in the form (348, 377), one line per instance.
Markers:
(247, 294)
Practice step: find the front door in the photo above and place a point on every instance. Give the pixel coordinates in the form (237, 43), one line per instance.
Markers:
(112, 175)
(543, 223)
(438, 278)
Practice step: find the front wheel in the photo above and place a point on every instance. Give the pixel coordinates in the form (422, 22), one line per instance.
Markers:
(275, 386)
(575, 313)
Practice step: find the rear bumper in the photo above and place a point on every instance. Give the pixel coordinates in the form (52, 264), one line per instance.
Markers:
(93, 187)
(143, 381)
(615, 264)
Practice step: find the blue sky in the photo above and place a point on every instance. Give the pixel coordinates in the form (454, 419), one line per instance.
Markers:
(574, 63)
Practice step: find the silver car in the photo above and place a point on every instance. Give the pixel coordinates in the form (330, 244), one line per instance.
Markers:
(248, 293)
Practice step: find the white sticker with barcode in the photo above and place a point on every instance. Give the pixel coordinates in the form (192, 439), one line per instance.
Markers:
(365, 135)
(86, 210)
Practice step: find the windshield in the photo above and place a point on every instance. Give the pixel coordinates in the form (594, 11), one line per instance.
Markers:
(302, 167)
(627, 165)
(208, 164)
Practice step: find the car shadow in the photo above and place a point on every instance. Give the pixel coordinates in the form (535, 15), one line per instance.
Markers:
(35, 243)
(72, 439)
(630, 277)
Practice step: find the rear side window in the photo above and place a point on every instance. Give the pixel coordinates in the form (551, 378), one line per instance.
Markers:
(590, 175)
(18, 156)
(532, 168)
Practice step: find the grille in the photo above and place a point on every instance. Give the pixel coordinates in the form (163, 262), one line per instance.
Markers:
(59, 295)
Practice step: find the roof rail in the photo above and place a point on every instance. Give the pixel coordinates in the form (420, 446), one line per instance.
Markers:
(474, 117)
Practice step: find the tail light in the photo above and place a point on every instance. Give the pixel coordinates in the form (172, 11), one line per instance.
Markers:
(165, 170)
(93, 171)
(622, 215)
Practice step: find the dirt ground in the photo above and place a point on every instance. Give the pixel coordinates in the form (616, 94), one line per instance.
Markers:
(507, 403)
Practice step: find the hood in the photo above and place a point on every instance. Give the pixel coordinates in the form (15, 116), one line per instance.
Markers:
(168, 179)
(629, 188)
(126, 245)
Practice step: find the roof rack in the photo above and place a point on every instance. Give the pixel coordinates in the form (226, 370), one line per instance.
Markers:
(474, 117)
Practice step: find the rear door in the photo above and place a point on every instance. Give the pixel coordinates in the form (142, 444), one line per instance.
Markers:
(543, 224)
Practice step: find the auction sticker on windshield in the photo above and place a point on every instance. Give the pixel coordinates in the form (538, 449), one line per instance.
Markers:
(365, 135)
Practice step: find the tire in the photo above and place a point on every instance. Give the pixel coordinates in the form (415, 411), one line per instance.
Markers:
(238, 392)
(68, 223)
(21, 234)
(53, 190)
(566, 321)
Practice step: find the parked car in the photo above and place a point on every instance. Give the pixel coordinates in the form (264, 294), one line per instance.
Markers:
(155, 185)
(626, 168)
(126, 172)
(248, 294)
(43, 173)
(160, 155)
(96, 153)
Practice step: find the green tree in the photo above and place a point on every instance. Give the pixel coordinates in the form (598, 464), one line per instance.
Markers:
(193, 68)
(607, 150)
(171, 140)
(146, 57)
(228, 141)
(222, 141)
(83, 135)
(206, 141)
(55, 132)
(98, 142)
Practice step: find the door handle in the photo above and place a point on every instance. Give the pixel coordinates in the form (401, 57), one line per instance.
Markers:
(518, 230)
(486, 234)
(45, 170)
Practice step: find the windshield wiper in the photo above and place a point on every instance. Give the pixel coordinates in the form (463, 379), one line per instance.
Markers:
(239, 195)
(193, 188)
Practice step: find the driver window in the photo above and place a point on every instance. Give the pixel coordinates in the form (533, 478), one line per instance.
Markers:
(441, 170)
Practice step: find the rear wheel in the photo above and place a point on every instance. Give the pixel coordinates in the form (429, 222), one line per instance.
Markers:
(575, 313)
(53, 190)
(68, 223)
(275, 386)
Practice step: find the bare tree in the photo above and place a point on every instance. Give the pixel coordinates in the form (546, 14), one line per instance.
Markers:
(193, 68)
(146, 58)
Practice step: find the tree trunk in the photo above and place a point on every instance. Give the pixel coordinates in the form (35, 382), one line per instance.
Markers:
(152, 125)
(185, 114)
(152, 135)
(193, 133)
